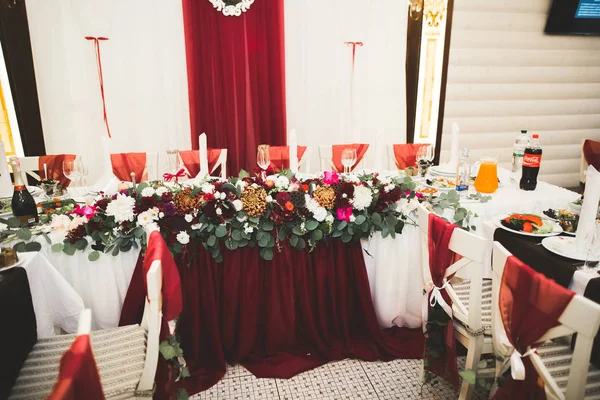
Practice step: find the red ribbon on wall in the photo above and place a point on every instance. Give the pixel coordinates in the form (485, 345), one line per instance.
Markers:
(353, 44)
(100, 76)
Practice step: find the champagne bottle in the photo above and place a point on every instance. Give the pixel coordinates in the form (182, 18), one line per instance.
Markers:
(23, 205)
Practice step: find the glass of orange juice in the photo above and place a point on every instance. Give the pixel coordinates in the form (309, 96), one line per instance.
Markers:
(487, 177)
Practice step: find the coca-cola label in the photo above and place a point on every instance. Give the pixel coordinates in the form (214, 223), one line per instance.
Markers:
(532, 160)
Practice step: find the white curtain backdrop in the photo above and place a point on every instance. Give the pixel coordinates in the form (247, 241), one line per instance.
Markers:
(145, 79)
(319, 71)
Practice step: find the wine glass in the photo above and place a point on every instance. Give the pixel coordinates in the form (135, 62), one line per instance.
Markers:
(81, 171)
(172, 164)
(69, 170)
(424, 158)
(348, 159)
(263, 158)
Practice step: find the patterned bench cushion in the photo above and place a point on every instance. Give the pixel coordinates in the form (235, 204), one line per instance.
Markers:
(120, 354)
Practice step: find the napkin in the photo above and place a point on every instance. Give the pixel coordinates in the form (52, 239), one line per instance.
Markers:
(454, 146)
(589, 209)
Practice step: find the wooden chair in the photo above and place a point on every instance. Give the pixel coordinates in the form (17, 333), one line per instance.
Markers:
(127, 356)
(566, 374)
(471, 295)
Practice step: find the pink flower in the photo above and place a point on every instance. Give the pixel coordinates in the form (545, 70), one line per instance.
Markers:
(330, 177)
(419, 195)
(87, 211)
(344, 213)
(407, 193)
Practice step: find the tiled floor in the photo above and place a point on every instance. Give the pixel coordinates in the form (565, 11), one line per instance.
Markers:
(348, 379)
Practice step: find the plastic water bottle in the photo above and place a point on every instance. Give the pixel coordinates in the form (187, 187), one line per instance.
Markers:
(463, 172)
(521, 142)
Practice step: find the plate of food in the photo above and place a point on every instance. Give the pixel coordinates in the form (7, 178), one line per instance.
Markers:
(567, 220)
(440, 183)
(5, 206)
(528, 225)
(428, 191)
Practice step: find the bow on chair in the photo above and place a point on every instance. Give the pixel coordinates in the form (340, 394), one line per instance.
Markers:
(436, 298)
(169, 177)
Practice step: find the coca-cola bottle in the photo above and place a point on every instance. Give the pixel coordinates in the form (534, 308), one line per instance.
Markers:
(531, 164)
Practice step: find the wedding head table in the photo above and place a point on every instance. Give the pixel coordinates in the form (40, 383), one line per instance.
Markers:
(279, 273)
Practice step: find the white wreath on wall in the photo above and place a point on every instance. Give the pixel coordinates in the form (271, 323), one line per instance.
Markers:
(232, 10)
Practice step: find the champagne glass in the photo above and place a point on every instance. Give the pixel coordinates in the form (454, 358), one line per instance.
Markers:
(68, 168)
(81, 171)
(348, 159)
(424, 157)
(263, 158)
(172, 164)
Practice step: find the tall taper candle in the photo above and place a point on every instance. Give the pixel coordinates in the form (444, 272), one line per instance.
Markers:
(203, 155)
(293, 145)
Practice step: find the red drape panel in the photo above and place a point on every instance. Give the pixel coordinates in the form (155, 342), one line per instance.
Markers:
(54, 165)
(530, 304)
(440, 258)
(591, 152)
(191, 160)
(280, 156)
(337, 150)
(123, 164)
(406, 154)
(236, 78)
(282, 317)
(78, 376)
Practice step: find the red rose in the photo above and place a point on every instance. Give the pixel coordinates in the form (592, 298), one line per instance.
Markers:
(282, 198)
(208, 197)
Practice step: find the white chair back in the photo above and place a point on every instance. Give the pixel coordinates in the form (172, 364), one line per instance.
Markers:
(582, 316)
(222, 163)
(85, 322)
(472, 248)
(30, 165)
(152, 166)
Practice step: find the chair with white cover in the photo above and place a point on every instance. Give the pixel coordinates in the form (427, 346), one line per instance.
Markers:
(566, 373)
(469, 292)
(126, 356)
(145, 166)
(327, 155)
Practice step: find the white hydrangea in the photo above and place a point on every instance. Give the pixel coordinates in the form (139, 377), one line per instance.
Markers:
(406, 207)
(121, 208)
(282, 182)
(237, 203)
(183, 237)
(311, 204)
(207, 188)
(362, 197)
(152, 226)
(329, 218)
(320, 214)
(188, 218)
(161, 190)
(60, 222)
(148, 192)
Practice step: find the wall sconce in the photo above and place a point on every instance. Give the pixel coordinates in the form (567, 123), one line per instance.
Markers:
(415, 9)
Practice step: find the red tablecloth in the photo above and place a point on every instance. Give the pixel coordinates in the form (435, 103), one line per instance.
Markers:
(282, 317)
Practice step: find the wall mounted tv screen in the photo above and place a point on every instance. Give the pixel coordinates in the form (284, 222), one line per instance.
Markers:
(574, 17)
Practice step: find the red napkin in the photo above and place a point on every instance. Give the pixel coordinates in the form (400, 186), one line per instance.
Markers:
(191, 160)
(406, 154)
(280, 156)
(54, 165)
(123, 164)
(591, 153)
(530, 305)
(78, 377)
(440, 258)
(337, 150)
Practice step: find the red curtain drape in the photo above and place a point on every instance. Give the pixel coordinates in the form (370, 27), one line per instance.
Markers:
(281, 317)
(236, 78)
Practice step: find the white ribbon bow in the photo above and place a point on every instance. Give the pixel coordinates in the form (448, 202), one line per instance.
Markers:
(436, 298)
(517, 368)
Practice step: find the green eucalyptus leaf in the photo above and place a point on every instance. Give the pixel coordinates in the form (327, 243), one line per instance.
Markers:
(297, 230)
(337, 233)
(33, 246)
(316, 235)
(138, 232)
(20, 247)
(13, 222)
(211, 241)
(24, 234)
(81, 244)
(57, 247)
(391, 221)
(346, 237)
(93, 256)
(236, 235)
(243, 174)
(294, 240)
(267, 225)
(376, 219)
(115, 251)
(266, 254)
(229, 186)
(342, 225)
(221, 231)
(167, 350)
(360, 219)
(263, 242)
(229, 244)
(311, 225)
(69, 249)
(301, 245)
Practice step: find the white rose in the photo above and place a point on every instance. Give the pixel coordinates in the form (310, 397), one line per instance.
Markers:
(60, 222)
(145, 218)
(362, 197)
(121, 208)
(329, 218)
(320, 214)
(311, 204)
(208, 188)
(237, 203)
(269, 199)
(188, 218)
(352, 218)
(183, 237)
(282, 182)
(161, 190)
(148, 192)
(218, 211)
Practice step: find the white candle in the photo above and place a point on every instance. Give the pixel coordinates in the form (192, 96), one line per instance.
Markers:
(45, 172)
(293, 145)
(203, 155)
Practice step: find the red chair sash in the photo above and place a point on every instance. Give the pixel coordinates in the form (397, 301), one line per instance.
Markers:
(337, 149)
(54, 165)
(440, 258)
(191, 160)
(123, 164)
(530, 305)
(280, 156)
(591, 153)
(406, 154)
(78, 376)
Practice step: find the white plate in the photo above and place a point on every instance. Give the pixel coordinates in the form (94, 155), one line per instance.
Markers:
(565, 246)
(557, 229)
(443, 170)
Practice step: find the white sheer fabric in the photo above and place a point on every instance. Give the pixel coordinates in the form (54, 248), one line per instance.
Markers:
(324, 104)
(144, 70)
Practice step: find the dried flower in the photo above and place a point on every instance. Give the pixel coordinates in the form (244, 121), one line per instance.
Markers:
(184, 202)
(325, 196)
(254, 201)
